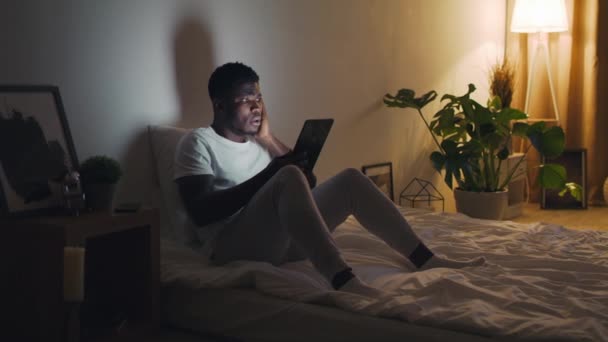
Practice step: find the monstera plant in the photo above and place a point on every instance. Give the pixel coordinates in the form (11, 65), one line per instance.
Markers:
(473, 141)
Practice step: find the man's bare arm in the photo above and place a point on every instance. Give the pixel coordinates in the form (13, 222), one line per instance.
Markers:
(206, 206)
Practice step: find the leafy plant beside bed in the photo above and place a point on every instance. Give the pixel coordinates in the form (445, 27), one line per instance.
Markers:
(474, 141)
(98, 175)
(100, 169)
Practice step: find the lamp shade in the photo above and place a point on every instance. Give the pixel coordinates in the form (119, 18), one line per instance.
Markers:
(539, 16)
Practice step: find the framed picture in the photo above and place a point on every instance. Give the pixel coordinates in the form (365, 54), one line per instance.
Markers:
(382, 175)
(36, 150)
(575, 162)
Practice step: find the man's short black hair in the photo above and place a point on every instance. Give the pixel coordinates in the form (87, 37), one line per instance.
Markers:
(229, 75)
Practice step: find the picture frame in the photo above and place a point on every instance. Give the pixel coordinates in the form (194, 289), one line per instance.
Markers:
(36, 150)
(382, 175)
(575, 162)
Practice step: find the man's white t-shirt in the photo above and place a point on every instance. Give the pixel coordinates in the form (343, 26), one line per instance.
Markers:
(204, 152)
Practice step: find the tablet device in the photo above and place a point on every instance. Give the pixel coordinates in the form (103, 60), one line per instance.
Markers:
(311, 139)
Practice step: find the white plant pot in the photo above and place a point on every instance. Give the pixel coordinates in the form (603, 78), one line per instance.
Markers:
(483, 205)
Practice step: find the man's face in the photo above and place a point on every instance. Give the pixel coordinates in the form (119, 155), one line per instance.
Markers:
(243, 109)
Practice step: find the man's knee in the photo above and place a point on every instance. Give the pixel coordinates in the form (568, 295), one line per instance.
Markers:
(291, 173)
(351, 174)
(350, 177)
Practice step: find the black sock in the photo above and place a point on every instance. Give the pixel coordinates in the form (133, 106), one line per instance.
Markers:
(420, 255)
(342, 278)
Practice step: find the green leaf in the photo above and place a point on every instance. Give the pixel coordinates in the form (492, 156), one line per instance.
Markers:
(449, 147)
(574, 189)
(425, 99)
(553, 141)
(486, 129)
(470, 129)
(508, 114)
(406, 94)
(405, 98)
(452, 98)
(552, 176)
(443, 112)
(503, 129)
(520, 129)
(454, 101)
(495, 103)
(436, 128)
(515, 114)
(467, 109)
(100, 169)
(446, 119)
(438, 160)
(482, 115)
(471, 89)
(535, 134)
(472, 148)
(448, 178)
(493, 140)
(448, 131)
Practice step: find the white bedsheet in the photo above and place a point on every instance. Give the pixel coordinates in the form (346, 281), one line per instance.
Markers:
(542, 281)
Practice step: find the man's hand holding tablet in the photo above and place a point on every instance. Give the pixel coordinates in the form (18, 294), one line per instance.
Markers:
(311, 140)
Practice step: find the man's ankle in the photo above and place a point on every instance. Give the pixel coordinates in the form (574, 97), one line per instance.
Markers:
(421, 255)
(341, 278)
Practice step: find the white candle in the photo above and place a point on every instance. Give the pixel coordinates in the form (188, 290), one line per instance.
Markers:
(73, 274)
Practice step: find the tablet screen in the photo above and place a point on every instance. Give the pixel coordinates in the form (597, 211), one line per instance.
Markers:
(312, 138)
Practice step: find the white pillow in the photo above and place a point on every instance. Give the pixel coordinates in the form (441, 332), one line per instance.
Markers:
(175, 223)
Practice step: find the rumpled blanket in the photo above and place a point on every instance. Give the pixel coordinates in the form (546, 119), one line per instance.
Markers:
(541, 281)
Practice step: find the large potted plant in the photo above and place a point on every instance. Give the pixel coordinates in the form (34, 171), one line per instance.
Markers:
(473, 143)
(99, 175)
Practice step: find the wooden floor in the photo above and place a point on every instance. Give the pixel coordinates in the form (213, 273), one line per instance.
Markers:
(591, 218)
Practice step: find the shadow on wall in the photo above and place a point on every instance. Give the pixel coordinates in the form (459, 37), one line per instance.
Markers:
(192, 50)
(193, 66)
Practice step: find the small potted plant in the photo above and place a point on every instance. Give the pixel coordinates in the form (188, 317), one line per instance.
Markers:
(99, 175)
(473, 142)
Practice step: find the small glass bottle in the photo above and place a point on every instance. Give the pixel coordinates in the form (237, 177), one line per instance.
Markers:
(74, 197)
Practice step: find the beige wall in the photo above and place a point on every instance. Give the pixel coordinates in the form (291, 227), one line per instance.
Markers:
(121, 65)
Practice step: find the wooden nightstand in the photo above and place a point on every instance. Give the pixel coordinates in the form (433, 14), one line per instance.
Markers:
(122, 277)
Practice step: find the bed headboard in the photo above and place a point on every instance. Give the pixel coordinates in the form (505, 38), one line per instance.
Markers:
(175, 223)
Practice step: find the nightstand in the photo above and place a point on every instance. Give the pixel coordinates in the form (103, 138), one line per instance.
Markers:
(121, 272)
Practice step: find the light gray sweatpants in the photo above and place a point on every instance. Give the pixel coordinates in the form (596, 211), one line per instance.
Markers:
(286, 221)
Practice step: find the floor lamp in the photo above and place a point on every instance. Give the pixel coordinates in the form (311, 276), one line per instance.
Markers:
(540, 17)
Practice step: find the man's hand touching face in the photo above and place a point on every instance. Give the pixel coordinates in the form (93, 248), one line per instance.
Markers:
(264, 130)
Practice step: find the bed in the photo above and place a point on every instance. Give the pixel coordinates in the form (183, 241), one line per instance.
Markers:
(542, 282)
